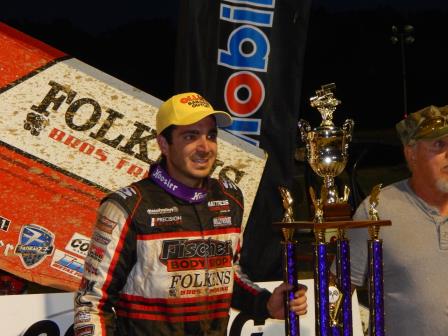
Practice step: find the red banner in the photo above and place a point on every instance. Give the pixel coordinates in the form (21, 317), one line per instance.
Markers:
(69, 134)
(32, 192)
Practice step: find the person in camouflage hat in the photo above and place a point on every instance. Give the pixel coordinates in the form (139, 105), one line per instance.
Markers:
(415, 247)
(427, 123)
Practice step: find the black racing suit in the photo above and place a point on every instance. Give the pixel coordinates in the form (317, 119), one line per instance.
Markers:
(158, 265)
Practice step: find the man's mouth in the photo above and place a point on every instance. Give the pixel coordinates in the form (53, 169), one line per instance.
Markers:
(200, 160)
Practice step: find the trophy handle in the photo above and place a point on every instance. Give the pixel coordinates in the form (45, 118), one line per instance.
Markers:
(348, 129)
(304, 128)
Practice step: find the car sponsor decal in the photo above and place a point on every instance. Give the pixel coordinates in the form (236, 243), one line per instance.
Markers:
(34, 245)
(68, 263)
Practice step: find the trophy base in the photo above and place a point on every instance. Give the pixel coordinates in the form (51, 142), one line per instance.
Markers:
(337, 212)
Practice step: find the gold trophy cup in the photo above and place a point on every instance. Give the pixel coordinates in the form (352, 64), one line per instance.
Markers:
(327, 145)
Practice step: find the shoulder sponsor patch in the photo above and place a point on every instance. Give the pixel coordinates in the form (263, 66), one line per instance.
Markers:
(34, 245)
(90, 268)
(96, 253)
(85, 330)
(229, 184)
(82, 317)
(126, 192)
(100, 238)
(105, 224)
(85, 287)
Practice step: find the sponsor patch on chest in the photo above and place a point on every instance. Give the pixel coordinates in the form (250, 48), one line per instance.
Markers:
(219, 206)
(168, 220)
(162, 211)
(222, 221)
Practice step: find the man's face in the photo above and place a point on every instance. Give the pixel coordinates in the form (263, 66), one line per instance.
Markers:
(428, 160)
(192, 153)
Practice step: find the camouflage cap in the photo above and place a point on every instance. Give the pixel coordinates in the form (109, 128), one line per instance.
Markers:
(428, 123)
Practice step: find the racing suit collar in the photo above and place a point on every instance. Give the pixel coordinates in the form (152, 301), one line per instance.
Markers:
(179, 190)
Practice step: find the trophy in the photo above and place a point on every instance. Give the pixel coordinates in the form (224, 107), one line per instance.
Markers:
(375, 283)
(326, 149)
(290, 276)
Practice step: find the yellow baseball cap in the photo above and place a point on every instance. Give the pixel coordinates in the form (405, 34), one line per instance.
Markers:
(186, 109)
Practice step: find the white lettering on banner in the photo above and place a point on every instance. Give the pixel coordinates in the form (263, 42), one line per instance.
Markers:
(75, 118)
(253, 58)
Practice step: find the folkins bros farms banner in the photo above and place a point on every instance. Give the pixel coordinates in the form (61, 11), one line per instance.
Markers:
(70, 134)
(246, 56)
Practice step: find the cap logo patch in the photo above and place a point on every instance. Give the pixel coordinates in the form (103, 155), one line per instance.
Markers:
(195, 101)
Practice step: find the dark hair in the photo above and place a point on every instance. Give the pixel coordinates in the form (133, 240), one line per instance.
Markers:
(167, 133)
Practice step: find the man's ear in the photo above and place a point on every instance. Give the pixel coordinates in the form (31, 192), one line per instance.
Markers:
(409, 154)
(163, 144)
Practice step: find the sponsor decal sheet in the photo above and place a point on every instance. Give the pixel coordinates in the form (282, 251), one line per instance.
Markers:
(69, 134)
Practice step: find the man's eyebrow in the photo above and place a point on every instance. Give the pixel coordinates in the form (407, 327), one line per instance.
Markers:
(191, 131)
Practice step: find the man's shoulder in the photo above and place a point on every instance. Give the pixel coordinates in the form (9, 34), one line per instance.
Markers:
(131, 192)
(228, 187)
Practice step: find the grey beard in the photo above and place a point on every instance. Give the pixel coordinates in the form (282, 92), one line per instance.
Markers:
(442, 185)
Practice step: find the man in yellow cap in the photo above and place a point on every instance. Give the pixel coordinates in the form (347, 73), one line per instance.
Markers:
(415, 247)
(164, 253)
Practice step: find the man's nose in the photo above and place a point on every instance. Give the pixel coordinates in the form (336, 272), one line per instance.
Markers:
(203, 143)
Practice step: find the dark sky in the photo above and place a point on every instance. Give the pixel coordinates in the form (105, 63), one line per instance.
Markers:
(401, 5)
(348, 43)
(351, 46)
